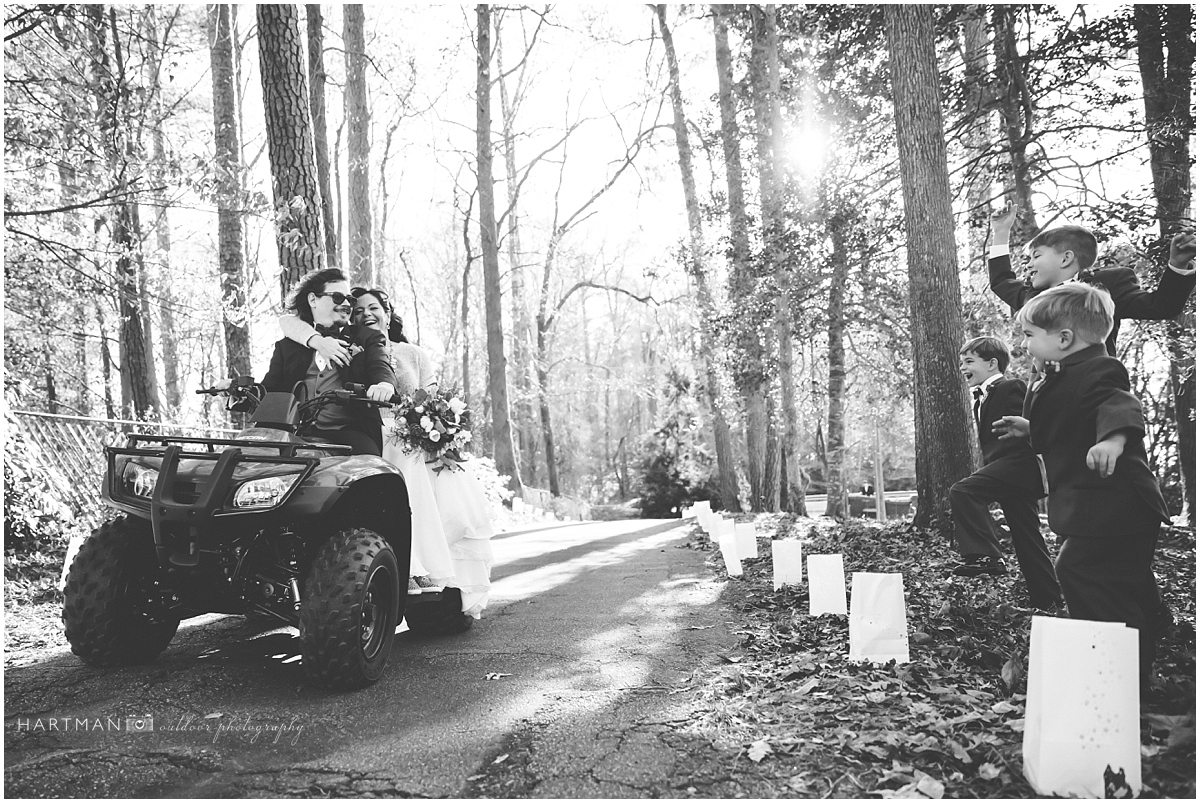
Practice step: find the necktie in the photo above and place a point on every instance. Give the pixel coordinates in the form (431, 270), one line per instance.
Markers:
(978, 394)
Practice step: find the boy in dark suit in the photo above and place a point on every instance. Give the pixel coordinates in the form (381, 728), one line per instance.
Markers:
(1009, 476)
(1087, 429)
(1067, 252)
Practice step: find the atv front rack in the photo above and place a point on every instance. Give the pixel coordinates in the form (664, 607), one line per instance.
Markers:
(286, 449)
(178, 523)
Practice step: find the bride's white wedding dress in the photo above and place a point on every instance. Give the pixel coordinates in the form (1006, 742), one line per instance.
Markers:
(451, 524)
(451, 518)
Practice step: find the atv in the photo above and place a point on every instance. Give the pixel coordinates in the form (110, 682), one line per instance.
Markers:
(265, 523)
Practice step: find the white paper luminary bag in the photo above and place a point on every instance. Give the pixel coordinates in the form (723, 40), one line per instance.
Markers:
(826, 585)
(729, 552)
(747, 540)
(1082, 708)
(787, 563)
(878, 621)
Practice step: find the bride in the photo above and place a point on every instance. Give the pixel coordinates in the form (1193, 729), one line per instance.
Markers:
(451, 522)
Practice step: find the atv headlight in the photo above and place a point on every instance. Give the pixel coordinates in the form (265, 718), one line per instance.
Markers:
(139, 480)
(262, 493)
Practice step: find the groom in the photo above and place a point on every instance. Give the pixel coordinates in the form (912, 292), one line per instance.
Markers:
(322, 298)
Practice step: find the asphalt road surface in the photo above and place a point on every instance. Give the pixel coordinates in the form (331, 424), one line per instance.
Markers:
(576, 683)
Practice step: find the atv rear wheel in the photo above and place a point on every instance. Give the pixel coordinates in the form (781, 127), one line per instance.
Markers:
(350, 610)
(113, 613)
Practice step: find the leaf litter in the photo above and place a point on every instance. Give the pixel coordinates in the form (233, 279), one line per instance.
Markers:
(947, 724)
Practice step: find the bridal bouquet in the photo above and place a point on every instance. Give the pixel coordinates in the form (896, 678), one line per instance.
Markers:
(436, 423)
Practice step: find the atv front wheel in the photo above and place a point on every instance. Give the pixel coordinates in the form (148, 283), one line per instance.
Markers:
(113, 613)
(349, 611)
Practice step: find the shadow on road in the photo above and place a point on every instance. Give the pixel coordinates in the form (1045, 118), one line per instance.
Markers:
(593, 631)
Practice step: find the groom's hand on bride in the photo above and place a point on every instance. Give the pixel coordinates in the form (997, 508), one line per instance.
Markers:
(331, 349)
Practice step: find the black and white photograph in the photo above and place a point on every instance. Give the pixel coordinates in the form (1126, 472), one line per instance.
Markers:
(599, 401)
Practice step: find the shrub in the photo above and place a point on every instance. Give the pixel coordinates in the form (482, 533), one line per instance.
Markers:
(34, 521)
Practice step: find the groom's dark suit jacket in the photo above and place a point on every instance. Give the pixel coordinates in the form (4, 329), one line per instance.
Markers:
(1084, 402)
(373, 364)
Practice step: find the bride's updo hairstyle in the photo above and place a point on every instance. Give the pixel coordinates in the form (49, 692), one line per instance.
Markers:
(396, 329)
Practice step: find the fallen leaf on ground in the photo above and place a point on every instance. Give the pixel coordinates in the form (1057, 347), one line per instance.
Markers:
(759, 750)
(497, 675)
(960, 752)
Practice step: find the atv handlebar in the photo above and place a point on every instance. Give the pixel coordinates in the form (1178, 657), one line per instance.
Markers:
(236, 384)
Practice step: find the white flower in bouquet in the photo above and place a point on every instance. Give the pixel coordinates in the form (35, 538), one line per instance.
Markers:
(435, 436)
(426, 423)
(457, 405)
(420, 408)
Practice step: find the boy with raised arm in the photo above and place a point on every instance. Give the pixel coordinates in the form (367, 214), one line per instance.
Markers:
(1087, 429)
(1009, 476)
(1067, 252)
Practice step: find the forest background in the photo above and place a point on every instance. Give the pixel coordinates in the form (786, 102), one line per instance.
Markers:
(677, 252)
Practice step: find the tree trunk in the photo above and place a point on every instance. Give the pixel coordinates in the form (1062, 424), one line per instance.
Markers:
(138, 380)
(1166, 59)
(1016, 116)
(230, 244)
(358, 150)
(977, 139)
(750, 376)
(522, 326)
(835, 443)
(289, 144)
(315, 22)
(466, 300)
(71, 106)
(943, 420)
(542, 361)
(155, 42)
(764, 328)
(106, 362)
(497, 380)
(383, 206)
(774, 229)
(726, 470)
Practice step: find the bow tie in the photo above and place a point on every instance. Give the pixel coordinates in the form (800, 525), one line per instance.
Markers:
(329, 331)
(1049, 369)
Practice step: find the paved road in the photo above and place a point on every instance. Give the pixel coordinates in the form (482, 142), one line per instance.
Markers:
(593, 632)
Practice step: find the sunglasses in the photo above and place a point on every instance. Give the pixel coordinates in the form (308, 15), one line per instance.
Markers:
(339, 298)
(358, 292)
